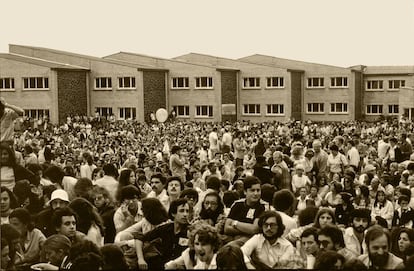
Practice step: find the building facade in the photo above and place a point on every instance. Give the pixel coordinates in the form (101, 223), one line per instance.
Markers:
(197, 87)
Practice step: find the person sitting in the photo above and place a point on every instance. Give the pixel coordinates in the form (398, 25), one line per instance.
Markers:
(56, 252)
(31, 239)
(268, 249)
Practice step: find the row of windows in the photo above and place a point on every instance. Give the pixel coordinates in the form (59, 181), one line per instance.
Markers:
(204, 82)
(271, 82)
(28, 83)
(379, 84)
(37, 113)
(200, 111)
(319, 82)
(125, 113)
(378, 109)
(248, 109)
(371, 109)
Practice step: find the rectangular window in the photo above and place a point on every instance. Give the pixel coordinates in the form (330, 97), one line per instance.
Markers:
(104, 111)
(6, 84)
(275, 82)
(316, 82)
(37, 113)
(339, 108)
(204, 82)
(251, 82)
(251, 109)
(103, 83)
(339, 82)
(315, 108)
(393, 109)
(36, 83)
(396, 84)
(374, 109)
(126, 82)
(204, 111)
(182, 110)
(180, 82)
(127, 113)
(275, 109)
(374, 85)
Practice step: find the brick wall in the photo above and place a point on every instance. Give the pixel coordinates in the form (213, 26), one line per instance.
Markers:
(229, 92)
(358, 96)
(72, 93)
(296, 95)
(154, 92)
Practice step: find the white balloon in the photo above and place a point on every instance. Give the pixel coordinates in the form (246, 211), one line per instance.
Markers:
(161, 115)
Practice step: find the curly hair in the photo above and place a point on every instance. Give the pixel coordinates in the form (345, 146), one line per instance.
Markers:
(206, 235)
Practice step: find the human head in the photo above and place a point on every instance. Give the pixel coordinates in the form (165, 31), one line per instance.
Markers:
(126, 177)
(174, 186)
(361, 218)
(330, 238)
(100, 196)
(64, 222)
(8, 199)
(191, 195)
(179, 211)
(324, 217)
(21, 219)
(206, 242)
(83, 187)
(268, 192)
(271, 225)
(5, 254)
(129, 192)
(158, 182)
(55, 174)
(283, 200)
(230, 258)
(55, 248)
(317, 145)
(110, 170)
(7, 156)
(378, 243)
(404, 238)
(59, 199)
(113, 258)
(329, 260)
(154, 211)
(85, 255)
(213, 182)
(252, 189)
(309, 240)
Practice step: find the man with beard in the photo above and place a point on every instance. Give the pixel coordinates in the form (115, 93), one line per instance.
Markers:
(330, 238)
(354, 236)
(158, 190)
(212, 209)
(378, 255)
(58, 199)
(268, 249)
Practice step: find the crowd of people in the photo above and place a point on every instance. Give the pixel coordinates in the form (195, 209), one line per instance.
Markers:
(98, 194)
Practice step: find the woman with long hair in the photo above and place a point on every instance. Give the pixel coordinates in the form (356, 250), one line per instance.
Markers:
(382, 208)
(7, 204)
(126, 177)
(11, 172)
(402, 238)
(89, 221)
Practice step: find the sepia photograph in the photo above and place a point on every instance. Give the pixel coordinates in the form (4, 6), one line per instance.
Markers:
(185, 134)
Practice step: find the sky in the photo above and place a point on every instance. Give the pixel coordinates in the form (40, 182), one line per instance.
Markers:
(342, 33)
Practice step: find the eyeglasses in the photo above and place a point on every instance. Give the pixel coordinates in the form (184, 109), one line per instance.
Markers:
(271, 225)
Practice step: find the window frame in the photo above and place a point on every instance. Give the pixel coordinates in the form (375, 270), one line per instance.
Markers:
(186, 82)
(208, 78)
(380, 83)
(374, 114)
(132, 82)
(393, 106)
(210, 111)
(97, 108)
(133, 113)
(271, 106)
(28, 113)
(319, 80)
(315, 113)
(280, 82)
(186, 109)
(257, 108)
(342, 80)
(247, 79)
(45, 81)
(392, 82)
(339, 112)
(11, 83)
(103, 88)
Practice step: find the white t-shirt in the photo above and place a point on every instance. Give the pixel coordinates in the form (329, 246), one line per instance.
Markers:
(213, 139)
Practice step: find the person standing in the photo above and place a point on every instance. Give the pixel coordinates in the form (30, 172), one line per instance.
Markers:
(8, 113)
